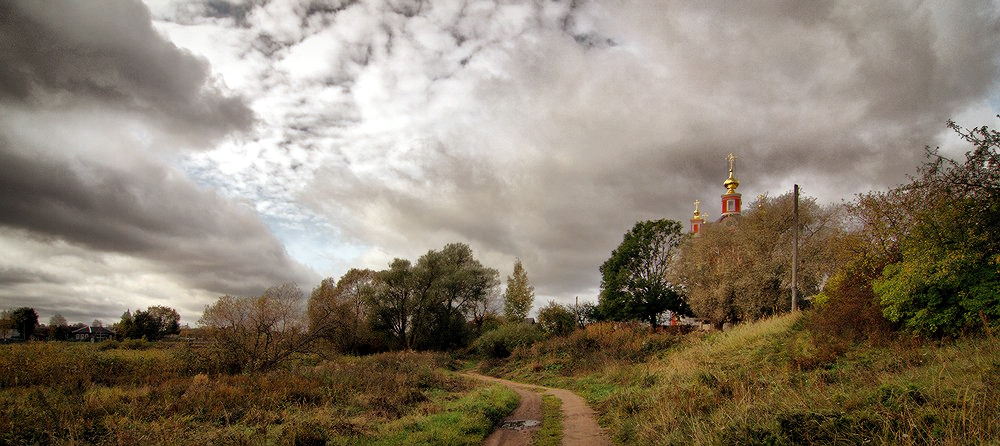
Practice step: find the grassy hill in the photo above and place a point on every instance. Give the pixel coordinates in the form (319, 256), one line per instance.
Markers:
(772, 382)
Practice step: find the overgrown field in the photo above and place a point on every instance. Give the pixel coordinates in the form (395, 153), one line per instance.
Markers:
(772, 382)
(63, 393)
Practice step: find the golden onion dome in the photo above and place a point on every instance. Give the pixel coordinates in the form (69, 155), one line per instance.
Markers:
(731, 183)
(697, 210)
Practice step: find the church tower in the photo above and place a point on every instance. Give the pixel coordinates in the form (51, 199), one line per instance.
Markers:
(696, 220)
(731, 200)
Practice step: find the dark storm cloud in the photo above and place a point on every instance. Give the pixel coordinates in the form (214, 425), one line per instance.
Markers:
(18, 275)
(96, 108)
(107, 50)
(147, 211)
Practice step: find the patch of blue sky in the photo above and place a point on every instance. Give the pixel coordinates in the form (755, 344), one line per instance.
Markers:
(316, 244)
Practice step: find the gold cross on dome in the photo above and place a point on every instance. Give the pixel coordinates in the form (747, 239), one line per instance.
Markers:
(697, 203)
(731, 158)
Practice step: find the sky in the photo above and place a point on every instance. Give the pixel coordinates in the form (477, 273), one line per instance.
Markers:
(168, 152)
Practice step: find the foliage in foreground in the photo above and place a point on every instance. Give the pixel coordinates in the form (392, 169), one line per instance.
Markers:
(946, 281)
(79, 393)
(773, 382)
(551, 432)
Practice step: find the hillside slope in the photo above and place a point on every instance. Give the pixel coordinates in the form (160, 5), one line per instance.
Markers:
(770, 383)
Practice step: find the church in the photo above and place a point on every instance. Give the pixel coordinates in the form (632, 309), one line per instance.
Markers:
(731, 202)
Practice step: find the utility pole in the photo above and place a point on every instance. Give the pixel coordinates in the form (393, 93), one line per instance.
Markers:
(795, 249)
(576, 311)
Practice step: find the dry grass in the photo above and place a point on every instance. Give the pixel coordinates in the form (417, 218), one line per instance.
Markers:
(61, 393)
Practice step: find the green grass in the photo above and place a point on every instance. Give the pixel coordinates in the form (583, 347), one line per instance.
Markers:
(465, 421)
(551, 432)
(770, 382)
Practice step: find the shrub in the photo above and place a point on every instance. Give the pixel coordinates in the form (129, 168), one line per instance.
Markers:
(500, 343)
(591, 348)
(849, 311)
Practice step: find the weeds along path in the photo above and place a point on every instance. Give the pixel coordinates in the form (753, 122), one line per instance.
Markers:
(579, 423)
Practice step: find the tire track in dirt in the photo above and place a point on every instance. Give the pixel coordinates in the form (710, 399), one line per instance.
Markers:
(579, 423)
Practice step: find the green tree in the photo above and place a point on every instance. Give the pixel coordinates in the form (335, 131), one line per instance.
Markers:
(426, 305)
(457, 284)
(947, 280)
(557, 319)
(634, 282)
(338, 312)
(24, 320)
(393, 302)
(58, 328)
(168, 321)
(520, 294)
(125, 326)
(153, 324)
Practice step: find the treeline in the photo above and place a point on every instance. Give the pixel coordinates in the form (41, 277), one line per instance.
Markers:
(154, 323)
(440, 302)
(921, 258)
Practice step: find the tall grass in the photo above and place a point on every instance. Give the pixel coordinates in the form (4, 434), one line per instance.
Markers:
(773, 382)
(594, 348)
(81, 393)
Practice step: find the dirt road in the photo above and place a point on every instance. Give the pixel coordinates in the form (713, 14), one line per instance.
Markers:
(579, 424)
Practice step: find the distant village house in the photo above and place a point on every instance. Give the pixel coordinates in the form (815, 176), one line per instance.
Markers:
(92, 334)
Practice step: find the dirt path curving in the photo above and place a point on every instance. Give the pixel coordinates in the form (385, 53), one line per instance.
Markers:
(579, 424)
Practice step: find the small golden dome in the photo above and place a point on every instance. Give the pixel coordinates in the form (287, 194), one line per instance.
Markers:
(697, 210)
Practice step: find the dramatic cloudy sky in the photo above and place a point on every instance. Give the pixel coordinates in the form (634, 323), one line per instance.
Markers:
(168, 152)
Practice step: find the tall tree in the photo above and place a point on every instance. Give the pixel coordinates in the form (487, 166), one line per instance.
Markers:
(634, 282)
(459, 284)
(393, 303)
(338, 311)
(58, 328)
(520, 294)
(426, 305)
(168, 321)
(24, 320)
(742, 272)
(153, 324)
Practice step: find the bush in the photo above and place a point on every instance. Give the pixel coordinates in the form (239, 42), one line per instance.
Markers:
(848, 311)
(500, 343)
(557, 319)
(629, 342)
(591, 348)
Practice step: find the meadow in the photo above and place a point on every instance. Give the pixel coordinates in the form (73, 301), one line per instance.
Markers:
(136, 392)
(783, 380)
